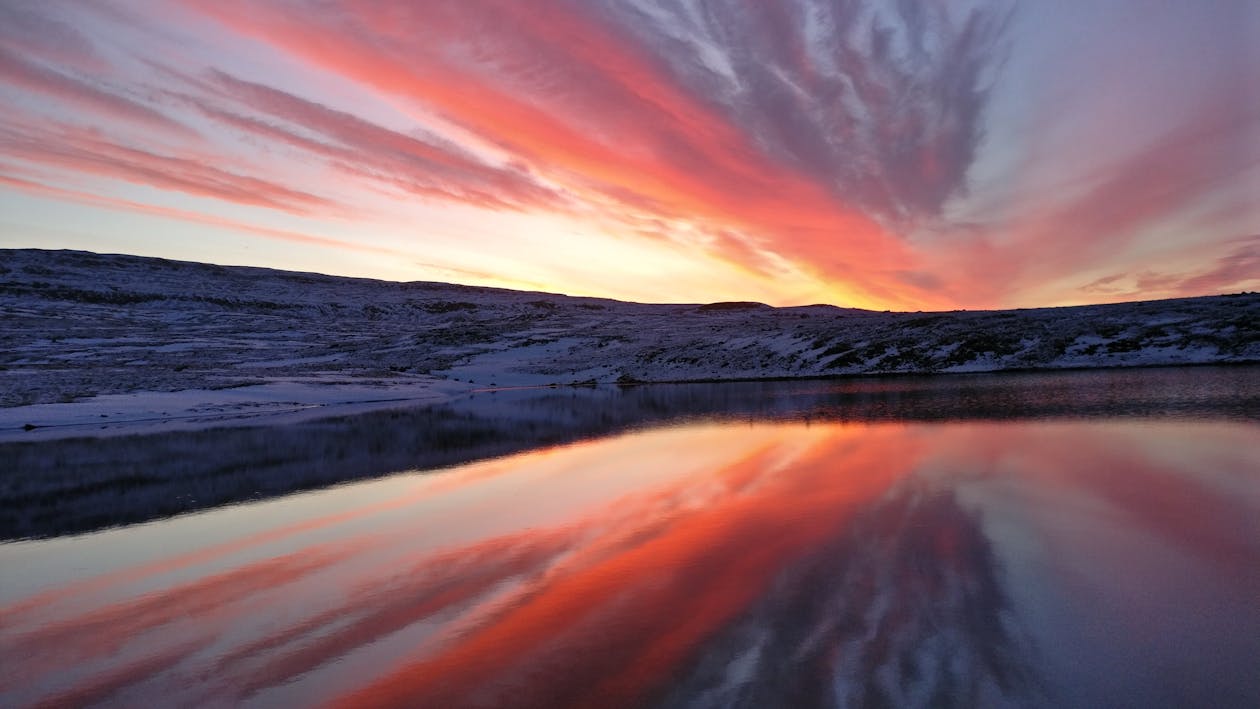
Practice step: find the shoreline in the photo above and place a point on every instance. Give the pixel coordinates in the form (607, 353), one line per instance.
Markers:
(94, 344)
(63, 482)
(283, 402)
(272, 403)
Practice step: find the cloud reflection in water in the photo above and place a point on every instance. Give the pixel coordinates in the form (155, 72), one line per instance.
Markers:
(728, 564)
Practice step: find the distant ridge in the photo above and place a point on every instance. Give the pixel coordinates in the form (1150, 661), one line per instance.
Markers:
(75, 324)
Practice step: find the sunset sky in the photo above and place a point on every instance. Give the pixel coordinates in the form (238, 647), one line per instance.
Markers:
(833, 558)
(899, 154)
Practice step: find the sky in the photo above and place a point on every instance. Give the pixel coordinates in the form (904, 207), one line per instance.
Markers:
(891, 155)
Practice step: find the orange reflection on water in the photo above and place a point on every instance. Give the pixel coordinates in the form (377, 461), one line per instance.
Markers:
(600, 574)
(631, 614)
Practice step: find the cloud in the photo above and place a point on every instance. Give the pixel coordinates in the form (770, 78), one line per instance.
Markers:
(1105, 285)
(425, 166)
(1238, 269)
(39, 189)
(819, 142)
(756, 550)
(1110, 210)
(36, 30)
(86, 151)
(681, 573)
(567, 90)
(910, 603)
(881, 104)
(16, 71)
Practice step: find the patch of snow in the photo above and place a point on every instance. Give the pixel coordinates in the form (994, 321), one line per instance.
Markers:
(272, 402)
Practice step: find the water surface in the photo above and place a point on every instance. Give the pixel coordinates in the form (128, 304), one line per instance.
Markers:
(751, 561)
(56, 487)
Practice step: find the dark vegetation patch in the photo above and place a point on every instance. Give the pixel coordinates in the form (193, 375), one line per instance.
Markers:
(448, 306)
(84, 259)
(977, 345)
(47, 291)
(243, 304)
(908, 358)
(531, 341)
(838, 348)
(650, 354)
(1109, 330)
(735, 305)
(1221, 343)
(928, 320)
(849, 357)
(1246, 329)
(303, 279)
(846, 358)
(1126, 344)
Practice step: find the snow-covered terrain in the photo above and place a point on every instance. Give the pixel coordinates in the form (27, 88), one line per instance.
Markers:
(90, 341)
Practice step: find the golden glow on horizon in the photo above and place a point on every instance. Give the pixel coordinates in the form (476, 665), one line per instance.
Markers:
(651, 156)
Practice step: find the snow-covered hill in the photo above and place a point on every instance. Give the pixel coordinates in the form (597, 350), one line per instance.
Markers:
(76, 326)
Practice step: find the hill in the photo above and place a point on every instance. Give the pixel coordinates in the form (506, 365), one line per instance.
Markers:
(79, 327)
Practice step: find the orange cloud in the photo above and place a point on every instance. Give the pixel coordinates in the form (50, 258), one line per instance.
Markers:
(616, 126)
(613, 598)
(803, 149)
(369, 151)
(632, 613)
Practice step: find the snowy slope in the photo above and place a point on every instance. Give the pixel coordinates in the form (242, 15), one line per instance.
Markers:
(77, 325)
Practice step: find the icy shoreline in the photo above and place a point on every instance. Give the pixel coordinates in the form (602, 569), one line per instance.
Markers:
(272, 403)
(66, 485)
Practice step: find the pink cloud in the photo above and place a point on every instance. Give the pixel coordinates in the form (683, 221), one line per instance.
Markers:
(1236, 270)
(33, 77)
(829, 142)
(425, 167)
(87, 151)
(597, 113)
(96, 200)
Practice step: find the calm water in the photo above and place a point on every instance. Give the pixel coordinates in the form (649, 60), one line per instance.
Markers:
(785, 559)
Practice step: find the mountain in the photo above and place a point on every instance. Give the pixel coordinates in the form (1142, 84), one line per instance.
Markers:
(76, 325)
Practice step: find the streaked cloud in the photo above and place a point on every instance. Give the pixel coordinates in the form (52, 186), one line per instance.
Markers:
(886, 154)
(842, 561)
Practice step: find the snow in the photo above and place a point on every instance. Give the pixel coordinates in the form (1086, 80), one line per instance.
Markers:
(156, 411)
(100, 344)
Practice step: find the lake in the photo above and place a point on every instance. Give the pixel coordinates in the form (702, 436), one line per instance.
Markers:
(1071, 539)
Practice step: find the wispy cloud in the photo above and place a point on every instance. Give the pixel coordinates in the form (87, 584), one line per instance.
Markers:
(88, 152)
(38, 78)
(1238, 269)
(815, 151)
(427, 167)
(821, 142)
(39, 189)
(41, 32)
